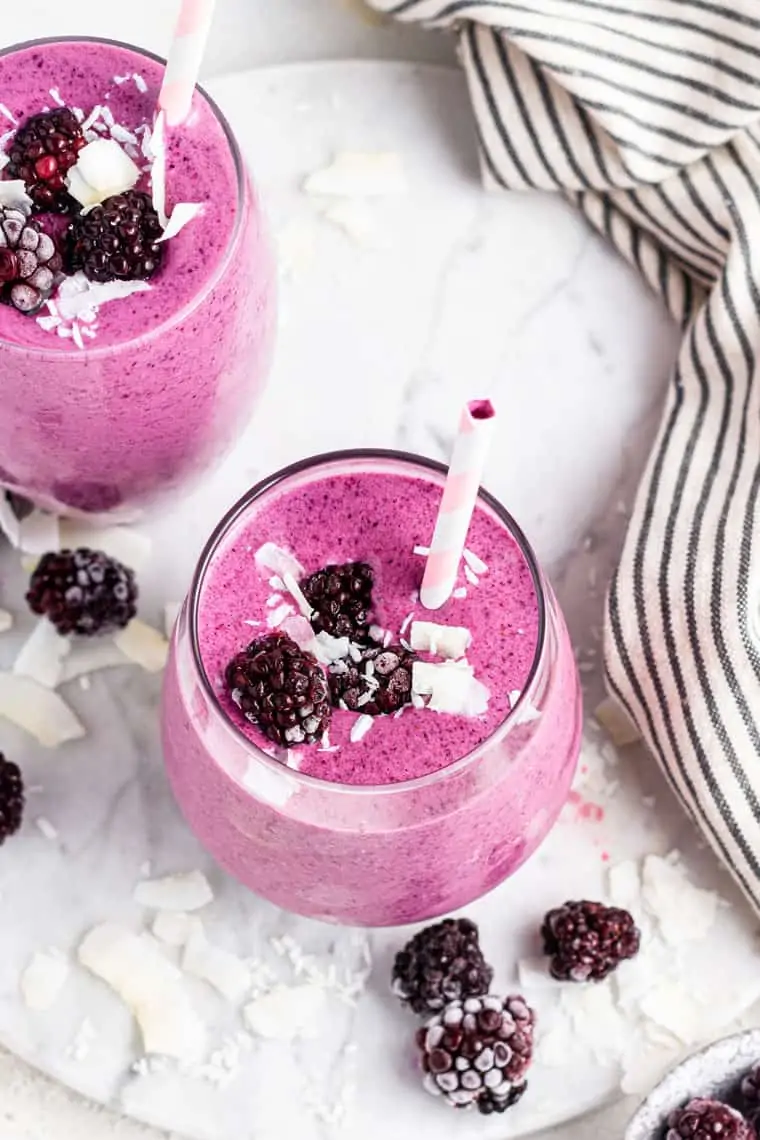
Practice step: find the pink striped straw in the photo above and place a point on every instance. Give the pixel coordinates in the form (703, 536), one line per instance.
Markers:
(185, 58)
(460, 494)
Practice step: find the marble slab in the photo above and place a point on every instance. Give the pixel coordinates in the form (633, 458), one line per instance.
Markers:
(447, 294)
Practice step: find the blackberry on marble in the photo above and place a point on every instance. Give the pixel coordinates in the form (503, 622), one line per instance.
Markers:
(586, 941)
(341, 599)
(440, 964)
(477, 1052)
(11, 798)
(703, 1119)
(281, 688)
(378, 684)
(83, 591)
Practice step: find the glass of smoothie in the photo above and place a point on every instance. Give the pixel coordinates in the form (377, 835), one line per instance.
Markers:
(108, 394)
(373, 763)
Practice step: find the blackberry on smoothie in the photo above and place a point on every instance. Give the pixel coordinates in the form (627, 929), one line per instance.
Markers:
(343, 751)
(136, 280)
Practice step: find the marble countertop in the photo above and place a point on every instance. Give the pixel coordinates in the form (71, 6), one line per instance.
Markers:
(31, 1107)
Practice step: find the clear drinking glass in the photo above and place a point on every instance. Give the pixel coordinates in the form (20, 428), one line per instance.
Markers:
(111, 425)
(372, 856)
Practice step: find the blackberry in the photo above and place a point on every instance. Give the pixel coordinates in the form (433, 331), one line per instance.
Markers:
(477, 1052)
(42, 152)
(11, 798)
(442, 963)
(586, 941)
(378, 684)
(83, 591)
(703, 1119)
(750, 1091)
(29, 261)
(118, 240)
(280, 688)
(341, 598)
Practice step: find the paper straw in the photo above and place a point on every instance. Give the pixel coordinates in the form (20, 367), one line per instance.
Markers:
(460, 494)
(185, 58)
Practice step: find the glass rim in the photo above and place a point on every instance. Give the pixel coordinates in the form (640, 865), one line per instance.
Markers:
(195, 302)
(325, 459)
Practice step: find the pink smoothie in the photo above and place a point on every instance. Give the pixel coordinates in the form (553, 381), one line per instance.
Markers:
(171, 375)
(428, 810)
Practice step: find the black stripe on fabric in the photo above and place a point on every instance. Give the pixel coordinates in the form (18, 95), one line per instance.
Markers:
(595, 145)
(471, 36)
(556, 122)
(648, 125)
(521, 104)
(636, 64)
(688, 303)
(661, 234)
(701, 206)
(671, 207)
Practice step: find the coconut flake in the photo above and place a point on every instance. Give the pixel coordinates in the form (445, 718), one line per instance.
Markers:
(42, 655)
(297, 594)
(6, 621)
(460, 592)
(451, 686)
(616, 723)
(219, 967)
(330, 649)
(128, 546)
(684, 913)
(144, 645)
(8, 114)
(273, 559)
(423, 551)
(188, 891)
(182, 214)
(10, 526)
(90, 657)
(46, 829)
(136, 968)
(451, 641)
(355, 219)
(174, 928)
(103, 169)
(38, 711)
(361, 726)
(361, 174)
(277, 616)
(43, 979)
(13, 195)
(477, 565)
(140, 83)
(39, 533)
(297, 628)
(471, 576)
(158, 168)
(286, 1012)
(73, 300)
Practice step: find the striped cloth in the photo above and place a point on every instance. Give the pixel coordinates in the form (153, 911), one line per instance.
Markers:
(646, 114)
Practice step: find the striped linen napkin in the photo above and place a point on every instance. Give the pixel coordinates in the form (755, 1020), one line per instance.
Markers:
(646, 115)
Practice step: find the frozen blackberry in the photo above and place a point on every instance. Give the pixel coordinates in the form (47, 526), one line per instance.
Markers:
(378, 684)
(703, 1119)
(586, 941)
(442, 963)
(41, 154)
(341, 598)
(477, 1052)
(83, 591)
(750, 1090)
(11, 798)
(29, 261)
(282, 689)
(117, 240)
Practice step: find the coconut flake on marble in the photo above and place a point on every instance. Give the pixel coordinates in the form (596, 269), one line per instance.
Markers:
(136, 968)
(287, 1012)
(683, 912)
(6, 621)
(81, 1043)
(187, 891)
(174, 928)
(450, 641)
(273, 559)
(39, 533)
(46, 829)
(38, 711)
(43, 979)
(182, 214)
(13, 196)
(129, 546)
(143, 645)
(42, 655)
(102, 170)
(359, 174)
(92, 656)
(225, 971)
(355, 219)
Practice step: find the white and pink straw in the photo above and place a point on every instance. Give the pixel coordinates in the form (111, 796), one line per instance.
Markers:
(185, 58)
(460, 494)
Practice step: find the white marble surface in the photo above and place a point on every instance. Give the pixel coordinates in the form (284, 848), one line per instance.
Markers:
(564, 338)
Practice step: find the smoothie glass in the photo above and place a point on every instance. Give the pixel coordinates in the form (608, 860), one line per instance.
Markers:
(380, 855)
(168, 383)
